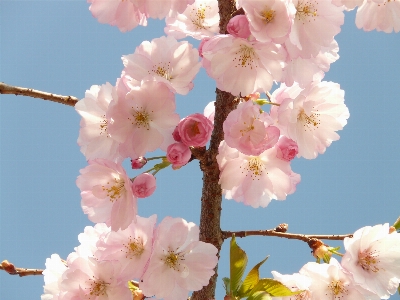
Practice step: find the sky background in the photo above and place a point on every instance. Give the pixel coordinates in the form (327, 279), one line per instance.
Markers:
(58, 47)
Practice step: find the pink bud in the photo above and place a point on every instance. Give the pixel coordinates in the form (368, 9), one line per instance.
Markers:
(287, 149)
(195, 130)
(178, 155)
(139, 162)
(238, 26)
(176, 135)
(144, 185)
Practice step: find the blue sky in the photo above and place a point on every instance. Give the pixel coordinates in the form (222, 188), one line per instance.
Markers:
(57, 46)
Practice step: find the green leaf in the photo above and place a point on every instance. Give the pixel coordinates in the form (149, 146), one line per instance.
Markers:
(397, 224)
(260, 296)
(251, 280)
(273, 287)
(227, 284)
(398, 289)
(238, 263)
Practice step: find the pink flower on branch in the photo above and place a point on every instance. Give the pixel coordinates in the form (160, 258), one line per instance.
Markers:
(165, 60)
(178, 154)
(144, 185)
(238, 26)
(249, 130)
(107, 194)
(144, 119)
(255, 180)
(179, 263)
(195, 130)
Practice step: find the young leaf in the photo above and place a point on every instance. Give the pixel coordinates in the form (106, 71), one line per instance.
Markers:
(397, 224)
(238, 263)
(227, 284)
(273, 287)
(251, 280)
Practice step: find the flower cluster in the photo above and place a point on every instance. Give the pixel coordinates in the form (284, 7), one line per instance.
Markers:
(370, 269)
(164, 258)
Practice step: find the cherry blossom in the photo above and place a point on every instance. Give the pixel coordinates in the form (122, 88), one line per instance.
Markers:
(238, 26)
(144, 185)
(209, 111)
(123, 14)
(179, 263)
(249, 130)
(199, 20)
(240, 66)
(331, 281)
(255, 180)
(195, 130)
(55, 268)
(287, 149)
(94, 138)
(107, 194)
(382, 15)
(310, 116)
(131, 247)
(161, 9)
(144, 119)
(90, 279)
(373, 257)
(315, 25)
(88, 241)
(270, 20)
(295, 282)
(139, 162)
(178, 154)
(165, 60)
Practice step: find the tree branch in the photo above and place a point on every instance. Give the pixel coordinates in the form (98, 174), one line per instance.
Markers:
(294, 236)
(16, 90)
(12, 270)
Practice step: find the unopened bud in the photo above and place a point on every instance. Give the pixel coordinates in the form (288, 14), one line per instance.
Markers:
(282, 227)
(139, 162)
(8, 267)
(320, 250)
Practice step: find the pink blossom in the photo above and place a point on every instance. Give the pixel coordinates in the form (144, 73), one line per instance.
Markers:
(382, 15)
(138, 163)
(144, 185)
(202, 42)
(315, 25)
(144, 119)
(175, 135)
(286, 149)
(255, 180)
(88, 241)
(179, 263)
(94, 139)
(199, 20)
(195, 130)
(123, 14)
(249, 130)
(310, 116)
(240, 66)
(209, 111)
(331, 281)
(55, 268)
(107, 194)
(178, 154)
(238, 26)
(165, 60)
(373, 257)
(88, 278)
(270, 20)
(161, 9)
(131, 247)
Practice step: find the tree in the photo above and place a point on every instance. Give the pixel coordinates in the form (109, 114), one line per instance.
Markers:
(332, 188)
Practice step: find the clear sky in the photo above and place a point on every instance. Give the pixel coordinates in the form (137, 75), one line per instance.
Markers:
(57, 46)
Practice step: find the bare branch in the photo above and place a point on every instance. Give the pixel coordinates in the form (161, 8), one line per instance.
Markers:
(294, 236)
(16, 90)
(12, 270)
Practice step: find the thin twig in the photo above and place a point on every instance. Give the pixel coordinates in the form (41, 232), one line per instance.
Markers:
(12, 270)
(16, 90)
(294, 236)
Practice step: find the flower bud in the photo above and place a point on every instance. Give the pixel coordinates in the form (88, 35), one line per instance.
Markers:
(178, 155)
(238, 26)
(195, 130)
(320, 250)
(144, 185)
(287, 149)
(138, 163)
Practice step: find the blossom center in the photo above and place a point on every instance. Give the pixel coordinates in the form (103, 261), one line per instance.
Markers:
(114, 192)
(198, 16)
(194, 129)
(309, 121)
(162, 71)
(173, 259)
(103, 126)
(141, 119)
(268, 15)
(246, 56)
(97, 288)
(305, 10)
(255, 167)
(368, 261)
(337, 287)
